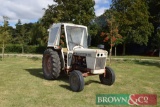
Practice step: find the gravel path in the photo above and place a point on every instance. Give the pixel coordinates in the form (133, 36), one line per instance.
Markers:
(26, 55)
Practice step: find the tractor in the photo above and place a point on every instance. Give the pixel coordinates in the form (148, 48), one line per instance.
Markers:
(67, 52)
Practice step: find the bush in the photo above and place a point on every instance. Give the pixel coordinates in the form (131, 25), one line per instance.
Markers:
(30, 49)
(16, 48)
(40, 49)
(35, 49)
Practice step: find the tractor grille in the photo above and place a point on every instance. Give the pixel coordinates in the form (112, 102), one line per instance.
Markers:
(100, 63)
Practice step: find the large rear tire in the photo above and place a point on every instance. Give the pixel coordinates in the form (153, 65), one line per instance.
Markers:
(108, 78)
(51, 64)
(76, 81)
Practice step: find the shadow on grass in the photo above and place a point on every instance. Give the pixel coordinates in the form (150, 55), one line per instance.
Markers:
(37, 72)
(34, 58)
(92, 81)
(64, 78)
(66, 87)
(148, 63)
(86, 83)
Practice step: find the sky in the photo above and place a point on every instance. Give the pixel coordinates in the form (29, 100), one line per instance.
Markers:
(31, 10)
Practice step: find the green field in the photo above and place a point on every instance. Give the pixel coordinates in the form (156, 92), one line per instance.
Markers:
(22, 84)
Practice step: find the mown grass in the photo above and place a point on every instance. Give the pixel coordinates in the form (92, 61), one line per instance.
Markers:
(22, 84)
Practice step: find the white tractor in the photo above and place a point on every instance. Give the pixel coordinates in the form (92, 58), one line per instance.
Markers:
(67, 51)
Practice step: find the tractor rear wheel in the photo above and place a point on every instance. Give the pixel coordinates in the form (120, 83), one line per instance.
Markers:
(51, 64)
(108, 77)
(76, 81)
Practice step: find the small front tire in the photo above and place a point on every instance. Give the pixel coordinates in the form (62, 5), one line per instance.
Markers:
(76, 81)
(108, 78)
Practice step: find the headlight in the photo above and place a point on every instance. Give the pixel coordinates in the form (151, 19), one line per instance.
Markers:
(101, 54)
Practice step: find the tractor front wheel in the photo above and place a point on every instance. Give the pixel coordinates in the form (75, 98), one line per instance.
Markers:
(108, 77)
(76, 81)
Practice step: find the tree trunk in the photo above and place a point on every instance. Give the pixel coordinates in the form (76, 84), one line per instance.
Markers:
(159, 51)
(115, 51)
(124, 49)
(22, 49)
(3, 51)
(110, 54)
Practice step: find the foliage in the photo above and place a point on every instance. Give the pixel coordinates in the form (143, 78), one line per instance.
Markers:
(93, 29)
(25, 35)
(17, 48)
(39, 35)
(101, 20)
(100, 26)
(156, 41)
(31, 34)
(154, 7)
(75, 11)
(13, 48)
(5, 36)
(133, 16)
(22, 38)
(112, 36)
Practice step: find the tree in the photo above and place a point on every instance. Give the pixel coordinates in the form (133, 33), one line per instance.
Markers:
(133, 16)
(39, 35)
(156, 40)
(22, 38)
(154, 7)
(73, 11)
(18, 26)
(99, 26)
(112, 36)
(5, 36)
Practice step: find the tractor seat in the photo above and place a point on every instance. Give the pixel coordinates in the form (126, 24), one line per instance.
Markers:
(65, 50)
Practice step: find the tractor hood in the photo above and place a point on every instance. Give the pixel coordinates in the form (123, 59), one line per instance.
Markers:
(90, 52)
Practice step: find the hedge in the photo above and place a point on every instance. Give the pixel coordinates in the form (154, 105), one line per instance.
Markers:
(16, 48)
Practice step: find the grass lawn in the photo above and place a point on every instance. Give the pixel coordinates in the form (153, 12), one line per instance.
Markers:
(22, 84)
